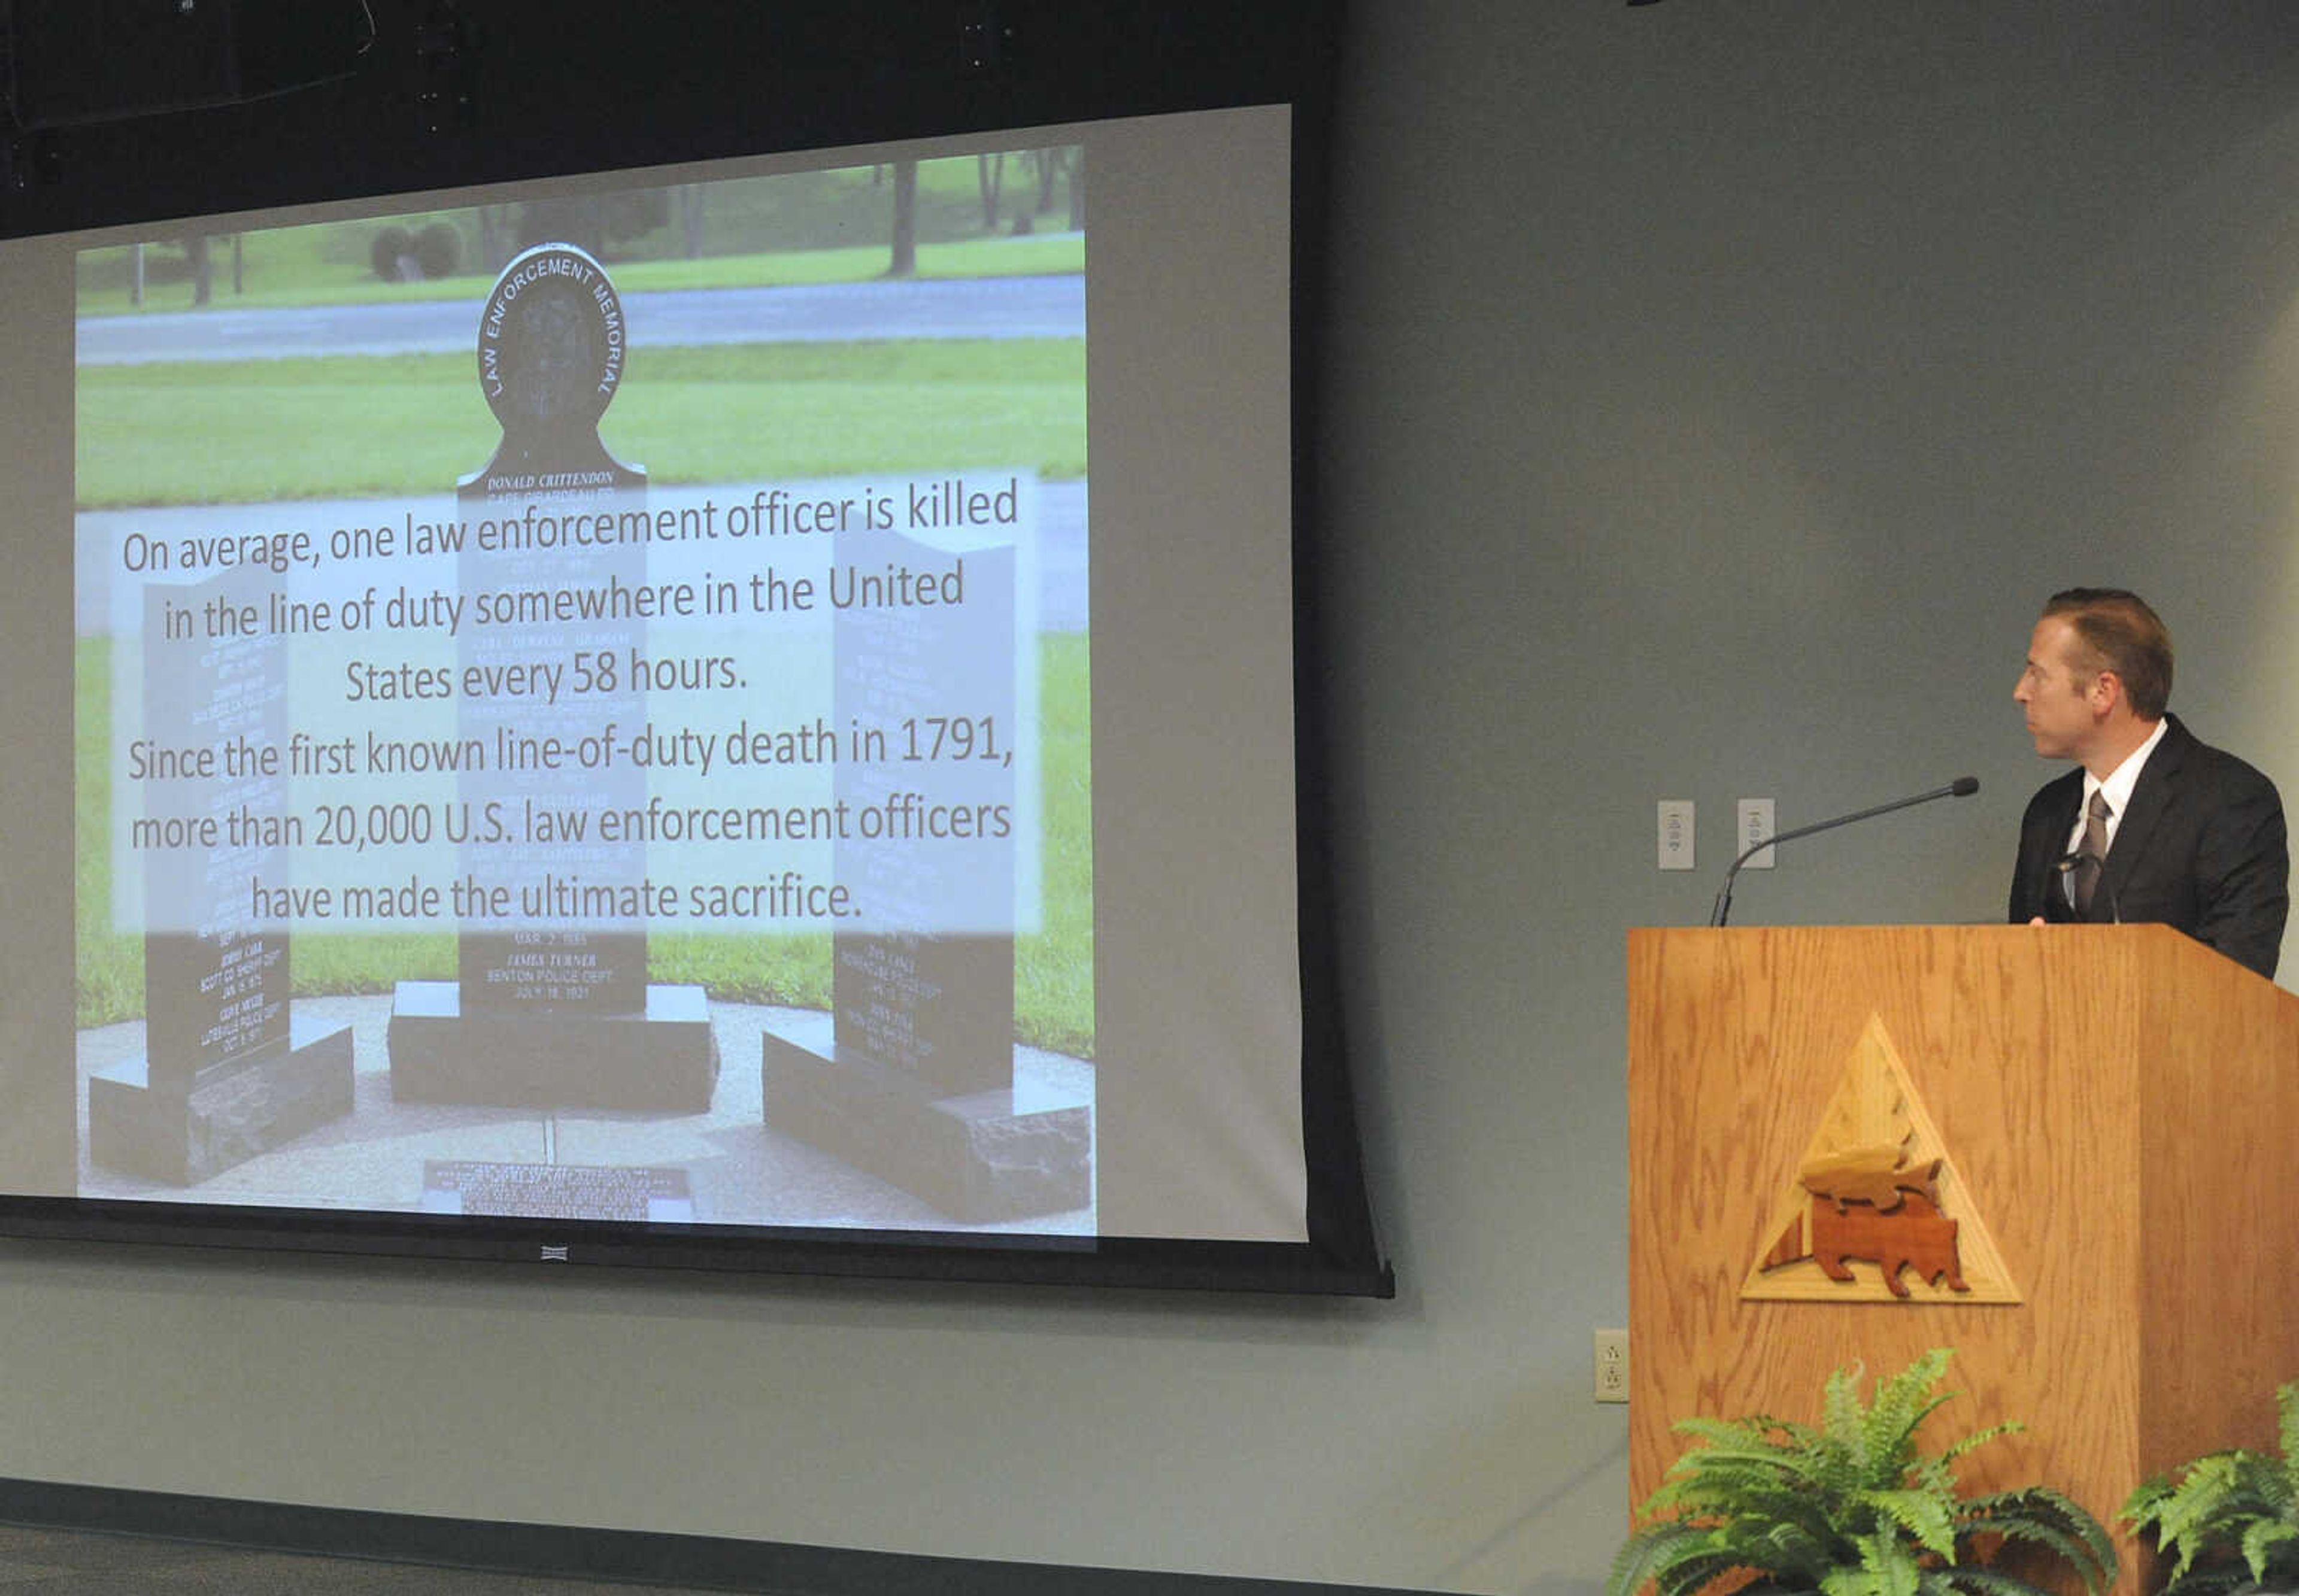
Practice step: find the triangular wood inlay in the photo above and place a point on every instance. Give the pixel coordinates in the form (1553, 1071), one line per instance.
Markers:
(1876, 1211)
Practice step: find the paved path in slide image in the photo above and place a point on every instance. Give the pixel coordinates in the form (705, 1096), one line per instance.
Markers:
(744, 1171)
(998, 307)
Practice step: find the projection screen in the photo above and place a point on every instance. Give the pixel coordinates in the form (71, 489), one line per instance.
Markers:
(710, 715)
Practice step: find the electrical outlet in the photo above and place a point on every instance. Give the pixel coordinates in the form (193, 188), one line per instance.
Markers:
(1753, 825)
(1676, 834)
(1612, 1365)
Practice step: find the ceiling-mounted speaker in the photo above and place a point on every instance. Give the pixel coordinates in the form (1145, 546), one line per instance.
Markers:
(70, 61)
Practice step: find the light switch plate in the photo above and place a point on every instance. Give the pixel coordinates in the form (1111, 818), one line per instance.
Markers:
(1676, 834)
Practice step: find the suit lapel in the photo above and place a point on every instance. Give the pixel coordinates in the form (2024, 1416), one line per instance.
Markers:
(2153, 793)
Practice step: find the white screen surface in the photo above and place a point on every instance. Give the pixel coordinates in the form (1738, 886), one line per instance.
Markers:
(973, 591)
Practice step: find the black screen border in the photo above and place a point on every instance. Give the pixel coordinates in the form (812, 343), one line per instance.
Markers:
(512, 91)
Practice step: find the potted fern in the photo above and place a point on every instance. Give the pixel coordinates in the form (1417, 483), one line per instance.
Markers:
(2230, 1519)
(1850, 1508)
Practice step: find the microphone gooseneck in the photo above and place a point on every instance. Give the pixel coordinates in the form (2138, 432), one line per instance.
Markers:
(1962, 786)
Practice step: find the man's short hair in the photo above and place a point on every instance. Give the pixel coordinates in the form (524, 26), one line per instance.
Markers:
(2117, 632)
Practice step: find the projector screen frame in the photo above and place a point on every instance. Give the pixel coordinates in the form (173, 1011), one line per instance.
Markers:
(1286, 58)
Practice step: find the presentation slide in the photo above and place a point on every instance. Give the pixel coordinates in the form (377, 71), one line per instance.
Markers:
(754, 697)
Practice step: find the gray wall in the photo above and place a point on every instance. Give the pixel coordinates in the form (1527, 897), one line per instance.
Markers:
(1715, 389)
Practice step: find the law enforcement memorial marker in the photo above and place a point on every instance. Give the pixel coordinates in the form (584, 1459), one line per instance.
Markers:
(230, 1070)
(921, 1084)
(642, 1196)
(556, 1012)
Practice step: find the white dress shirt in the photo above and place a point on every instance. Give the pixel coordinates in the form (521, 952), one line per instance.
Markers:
(2117, 786)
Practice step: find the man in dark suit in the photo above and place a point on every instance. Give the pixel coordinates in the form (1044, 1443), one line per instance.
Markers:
(2152, 824)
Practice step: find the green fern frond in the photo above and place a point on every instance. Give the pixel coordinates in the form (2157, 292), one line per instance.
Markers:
(1755, 1458)
(1979, 1438)
(1758, 1432)
(1890, 1436)
(2262, 1539)
(2207, 1491)
(1934, 1476)
(1921, 1515)
(1887, 1567)
(1797, 1553)
(1815, 1517)
(2044, 1518)
(1643, 1557)
(2221, 1579)
(1695, 1576)
(1975, 1579)
(1849, 1508)
(1902, 1403)
(1894, 1562)
(2274, 1484)
(2286, 1428)
(1782, 1543)
(1840, 1408)
(1723, 1488)
(2146, 1501)
(2211, 1505)
(2034, 1511)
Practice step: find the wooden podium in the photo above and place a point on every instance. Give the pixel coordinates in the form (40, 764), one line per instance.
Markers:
(2116, 1106)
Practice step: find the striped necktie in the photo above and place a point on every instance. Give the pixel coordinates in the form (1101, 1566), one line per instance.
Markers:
(2091, 858)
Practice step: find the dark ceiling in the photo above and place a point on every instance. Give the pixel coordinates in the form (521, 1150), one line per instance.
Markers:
(450, 92)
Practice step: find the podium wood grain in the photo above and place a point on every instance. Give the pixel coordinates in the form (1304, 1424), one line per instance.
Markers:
(2120, 1104)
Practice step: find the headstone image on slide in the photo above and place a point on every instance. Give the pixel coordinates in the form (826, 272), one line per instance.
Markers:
(552, 1006)
(920, 1085)
(227, 1071)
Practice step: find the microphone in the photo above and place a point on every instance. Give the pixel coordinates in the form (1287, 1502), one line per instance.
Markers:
(2064, 867)
(1962, 786)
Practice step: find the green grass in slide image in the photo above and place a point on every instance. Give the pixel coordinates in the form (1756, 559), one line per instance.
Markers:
(356, 427)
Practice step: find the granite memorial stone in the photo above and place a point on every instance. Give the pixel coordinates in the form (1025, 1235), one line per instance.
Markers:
(556, 1011)
(920, 1085)
(228, 1071)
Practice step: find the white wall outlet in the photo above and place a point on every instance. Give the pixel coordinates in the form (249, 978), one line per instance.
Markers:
(1676, 834)
(1753, 824)
(1612, 1365)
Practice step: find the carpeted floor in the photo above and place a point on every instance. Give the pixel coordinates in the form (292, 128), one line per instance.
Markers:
(84, 1563)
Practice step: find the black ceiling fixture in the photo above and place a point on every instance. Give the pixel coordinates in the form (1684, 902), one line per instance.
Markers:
(73, 63)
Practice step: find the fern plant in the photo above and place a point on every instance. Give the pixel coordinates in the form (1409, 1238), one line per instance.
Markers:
(1849, 1509)
(2230, 1519)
